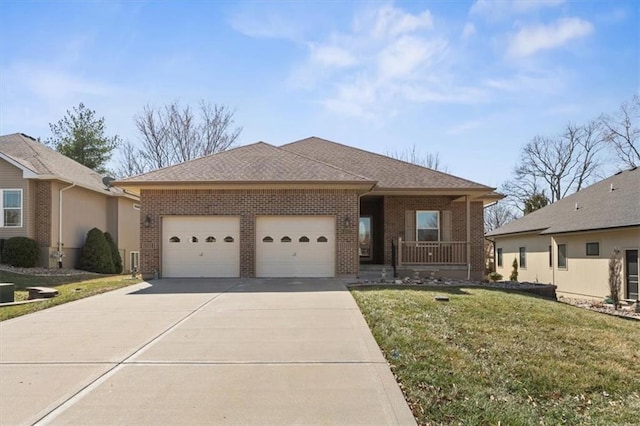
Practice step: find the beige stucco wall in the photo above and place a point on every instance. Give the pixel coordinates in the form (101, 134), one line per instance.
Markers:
(11, 178)
(127, 235)
(537, 257)
(82, 210)
(589, 275)
(585, 276)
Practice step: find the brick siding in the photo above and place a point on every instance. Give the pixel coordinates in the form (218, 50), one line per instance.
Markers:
(248, 204)
(43, 213)
(394, 218)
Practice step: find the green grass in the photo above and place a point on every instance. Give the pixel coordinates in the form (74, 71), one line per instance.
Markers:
(490, 357)
(70, 287)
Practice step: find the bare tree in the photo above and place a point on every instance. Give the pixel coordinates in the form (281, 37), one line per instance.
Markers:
(173, 134)
(414, 156)
(497, 215)
(622, 131)
(560, 165)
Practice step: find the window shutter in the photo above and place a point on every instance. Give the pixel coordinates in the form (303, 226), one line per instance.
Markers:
(446, 227)
(410, 225)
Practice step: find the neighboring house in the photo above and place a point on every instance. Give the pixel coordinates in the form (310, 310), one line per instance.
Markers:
(569, 243)
(311, 208)
(55, 200)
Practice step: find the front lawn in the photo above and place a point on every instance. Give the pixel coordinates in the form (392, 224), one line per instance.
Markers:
(491, 357)
(71, 287)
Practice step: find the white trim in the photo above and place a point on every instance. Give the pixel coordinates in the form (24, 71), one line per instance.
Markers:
(26, 172)
(2, 191)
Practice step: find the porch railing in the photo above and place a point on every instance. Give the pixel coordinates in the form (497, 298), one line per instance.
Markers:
(431, 252)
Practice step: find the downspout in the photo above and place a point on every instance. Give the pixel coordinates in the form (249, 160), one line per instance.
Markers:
(59, 254)
(467, 200)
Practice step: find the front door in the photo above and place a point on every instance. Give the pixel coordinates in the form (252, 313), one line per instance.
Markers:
(631, 268)
(364, 238)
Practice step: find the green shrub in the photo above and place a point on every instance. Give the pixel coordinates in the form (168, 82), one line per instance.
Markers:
(2, 240)
(514, 271)
(494, 276)
(96, 254)
(115, 254)
(22, 252)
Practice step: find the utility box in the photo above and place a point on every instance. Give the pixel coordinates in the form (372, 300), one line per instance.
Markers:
(6, 292)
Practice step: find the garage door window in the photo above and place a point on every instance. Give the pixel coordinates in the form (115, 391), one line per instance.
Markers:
(322, 239)
(210, 240)
(174, 240)
(285, 239)
(228, 239)
(304, 239)
(194, 239)
(267, 239)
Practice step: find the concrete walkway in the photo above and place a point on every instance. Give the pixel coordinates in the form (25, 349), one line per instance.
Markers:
(199, 352)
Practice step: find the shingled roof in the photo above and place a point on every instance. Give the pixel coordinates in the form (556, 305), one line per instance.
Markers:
(43, 162)
(388, 172)
(258, 162)
(611, 203)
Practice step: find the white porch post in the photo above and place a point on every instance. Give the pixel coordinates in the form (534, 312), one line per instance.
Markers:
(467, 200)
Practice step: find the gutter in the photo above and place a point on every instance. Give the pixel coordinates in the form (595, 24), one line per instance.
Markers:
(59, 254)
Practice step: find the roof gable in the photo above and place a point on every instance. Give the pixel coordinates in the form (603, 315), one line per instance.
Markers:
(258, 162)
(611, 203)
(39, 161)
(390, 173)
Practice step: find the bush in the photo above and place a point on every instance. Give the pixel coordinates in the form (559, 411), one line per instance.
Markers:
(96, 254)
(2, 240)
(22, 252)
(494, 276)
(514, 272)
(115, 254)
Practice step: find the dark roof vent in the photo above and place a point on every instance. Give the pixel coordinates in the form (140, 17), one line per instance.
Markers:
(107, 180)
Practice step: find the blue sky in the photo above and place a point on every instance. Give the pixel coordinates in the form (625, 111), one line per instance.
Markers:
(470, 80)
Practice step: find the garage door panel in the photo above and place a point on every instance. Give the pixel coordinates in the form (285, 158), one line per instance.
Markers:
(306, 255)
(202, 250)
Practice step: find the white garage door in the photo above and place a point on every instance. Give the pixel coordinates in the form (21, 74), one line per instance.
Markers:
(295, 246)
(200, 246)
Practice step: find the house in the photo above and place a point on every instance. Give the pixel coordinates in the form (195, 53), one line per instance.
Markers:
(569, 243)
(312, 208)
(55, 200)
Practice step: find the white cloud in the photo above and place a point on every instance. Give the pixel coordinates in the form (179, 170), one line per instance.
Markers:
(532, 39)
(498, 9)
(391, 22)
(331, 56)
(468, 31)
(406, 55)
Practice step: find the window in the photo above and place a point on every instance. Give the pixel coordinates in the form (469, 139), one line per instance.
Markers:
(134, 261)
(523, 257)
(136, 206)
(499, 256)
(322, 239)
(11, 207)
(303, 239)
(285, 239)
(593, 249)
(228, 239)
(210, 239)
(550, 256)
(174, 240)
(562, 256)
(427, 226)
(267, 239)
(194, 239)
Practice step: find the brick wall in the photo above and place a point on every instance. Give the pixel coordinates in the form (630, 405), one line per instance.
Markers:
(248, 204)
(394, 217)
(43, 213)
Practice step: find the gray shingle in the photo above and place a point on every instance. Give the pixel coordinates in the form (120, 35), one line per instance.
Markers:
(258, 162)
(43, 160)
(389, 172)
(598, 207)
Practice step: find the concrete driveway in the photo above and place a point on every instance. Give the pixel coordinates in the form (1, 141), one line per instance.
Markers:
(274, 351)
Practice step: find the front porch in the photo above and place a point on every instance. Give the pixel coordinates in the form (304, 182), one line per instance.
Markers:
(439, 236)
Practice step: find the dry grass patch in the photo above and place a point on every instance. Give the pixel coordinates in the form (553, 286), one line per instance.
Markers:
(489, 357)
(70, 287)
